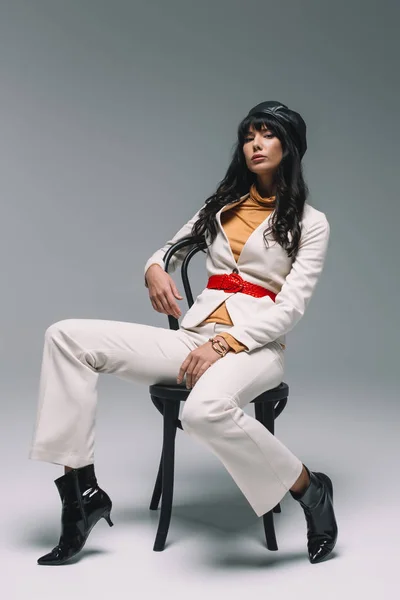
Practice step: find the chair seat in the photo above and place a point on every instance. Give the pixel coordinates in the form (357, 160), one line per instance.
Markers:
(179, 392)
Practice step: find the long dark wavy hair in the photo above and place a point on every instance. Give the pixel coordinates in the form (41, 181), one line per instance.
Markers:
(291, 190)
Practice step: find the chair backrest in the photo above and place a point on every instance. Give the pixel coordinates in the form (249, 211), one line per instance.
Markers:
(198, 244)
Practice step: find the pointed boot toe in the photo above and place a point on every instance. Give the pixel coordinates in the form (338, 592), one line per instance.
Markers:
(52, 558)
(60, 554)
(319, 551)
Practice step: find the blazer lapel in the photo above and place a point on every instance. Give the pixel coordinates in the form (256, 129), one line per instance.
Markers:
(251, 236)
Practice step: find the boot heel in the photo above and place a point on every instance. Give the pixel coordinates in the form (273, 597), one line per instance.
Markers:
(107, 518)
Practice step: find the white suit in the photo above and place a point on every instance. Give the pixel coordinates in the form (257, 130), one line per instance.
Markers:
(77, 350)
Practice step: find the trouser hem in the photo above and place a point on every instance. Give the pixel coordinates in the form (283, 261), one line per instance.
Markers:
(260, 510)
(70, 460)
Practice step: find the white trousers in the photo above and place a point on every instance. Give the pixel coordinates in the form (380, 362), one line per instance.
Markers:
(77, 350)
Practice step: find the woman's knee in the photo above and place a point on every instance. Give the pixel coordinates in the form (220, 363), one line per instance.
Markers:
(65, 325)
(203, 414)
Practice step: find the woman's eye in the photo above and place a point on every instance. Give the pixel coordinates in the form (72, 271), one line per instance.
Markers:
(268, 135)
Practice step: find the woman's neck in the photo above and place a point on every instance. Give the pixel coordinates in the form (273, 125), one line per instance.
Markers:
(261, 199)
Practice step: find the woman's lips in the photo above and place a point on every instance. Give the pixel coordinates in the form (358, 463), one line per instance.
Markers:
(258, 158)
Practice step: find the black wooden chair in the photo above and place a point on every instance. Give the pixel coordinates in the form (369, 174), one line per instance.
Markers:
(167, 399)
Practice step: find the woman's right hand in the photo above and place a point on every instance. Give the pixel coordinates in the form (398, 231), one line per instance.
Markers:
(163, 291)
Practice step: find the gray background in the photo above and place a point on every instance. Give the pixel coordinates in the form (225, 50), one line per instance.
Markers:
(117, 121)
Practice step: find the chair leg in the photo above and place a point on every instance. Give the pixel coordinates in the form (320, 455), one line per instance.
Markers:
(269, 422)
(171, 411)
(269, 529)
(268, 518)
(155, 499)
(268, 416)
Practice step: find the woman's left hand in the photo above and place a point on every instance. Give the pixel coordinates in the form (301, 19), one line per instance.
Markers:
(196, 363)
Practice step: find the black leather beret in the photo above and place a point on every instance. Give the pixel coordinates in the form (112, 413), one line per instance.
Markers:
(291, 120)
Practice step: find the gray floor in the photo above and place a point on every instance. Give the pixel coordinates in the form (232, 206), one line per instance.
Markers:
(215, 543)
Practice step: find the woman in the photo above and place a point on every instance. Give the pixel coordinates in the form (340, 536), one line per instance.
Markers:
(260, 282)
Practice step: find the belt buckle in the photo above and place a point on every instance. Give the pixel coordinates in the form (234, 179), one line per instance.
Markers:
(235, 282)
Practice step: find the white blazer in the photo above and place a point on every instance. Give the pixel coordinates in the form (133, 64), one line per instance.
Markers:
(257, 321)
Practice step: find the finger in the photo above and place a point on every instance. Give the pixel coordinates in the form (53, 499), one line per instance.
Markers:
(163, 300)
(189, 373)
(163, 306)
(174, 308)
(156, 304)
(182, 370)
(193, 369)
(175, 291)
(196, 373)
(170, 306)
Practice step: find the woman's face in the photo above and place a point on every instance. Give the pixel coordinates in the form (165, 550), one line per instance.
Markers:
(262, 142)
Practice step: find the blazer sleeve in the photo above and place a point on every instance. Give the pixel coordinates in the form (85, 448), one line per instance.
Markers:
(296, 292)
(178, 257)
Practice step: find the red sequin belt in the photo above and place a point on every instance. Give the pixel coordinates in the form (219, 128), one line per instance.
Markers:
(235, 283)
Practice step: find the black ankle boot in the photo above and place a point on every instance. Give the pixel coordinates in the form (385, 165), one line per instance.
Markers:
(317, 503)
(83, 504)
